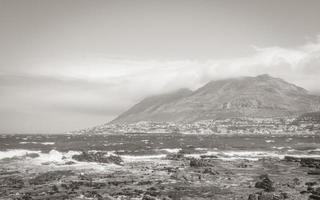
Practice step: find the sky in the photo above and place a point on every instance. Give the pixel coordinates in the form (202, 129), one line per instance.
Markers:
(72, 64)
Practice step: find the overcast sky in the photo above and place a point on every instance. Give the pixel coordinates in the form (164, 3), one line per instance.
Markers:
(72, 64)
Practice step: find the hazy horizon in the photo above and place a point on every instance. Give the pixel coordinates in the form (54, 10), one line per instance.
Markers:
(67, 65)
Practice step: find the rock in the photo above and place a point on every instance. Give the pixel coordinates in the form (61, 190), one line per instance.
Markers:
(148, 197)
(304, 162)
(191, 150)
(69, 163)
(50, 176)
(243, 165)
(107, 197)
(314, 197)
(32, 155)
(210, 171)
(175, 156)
(314, 172)
(284, 195)
(26, 196)
(194, 162)
(265, 183)
(12, 181)
(311, 183)
(317, 191)
(310, 162)
(93, 195)
(208, 156)
(266, 196)
(291, 159)
(5, 172)
(253, 197)
(296, 181)
(99, 157)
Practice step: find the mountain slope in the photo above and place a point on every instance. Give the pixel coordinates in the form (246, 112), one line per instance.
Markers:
(260, 96)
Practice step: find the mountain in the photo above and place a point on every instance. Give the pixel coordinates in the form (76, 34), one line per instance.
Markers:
(260, 96)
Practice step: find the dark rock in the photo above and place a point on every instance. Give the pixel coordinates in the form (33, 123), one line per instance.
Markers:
(208, 156)
(12, 181)
(175, 156)
(243, 165)
(50, 176)
(253, 197)
(93, 194)
(99, 157)
(210, 171)
(304, 162)
(55, 189)
(296, 181)
(32, 155)
(69, 163)
(314, 172)
(264, 196)
(5, 172)
(194, 162)
(147, 182)
(148, 197)
(284, 195)
(26, 196)
(291, 159)
(311, 183)
(265, 183)
(316, 191)
(190, 150)
(314, 197)
(310, 162)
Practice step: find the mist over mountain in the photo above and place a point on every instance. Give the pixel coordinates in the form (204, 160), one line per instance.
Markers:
(260, 96)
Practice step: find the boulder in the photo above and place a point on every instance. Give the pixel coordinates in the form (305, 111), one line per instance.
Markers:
(304, 162)
(253, 197)
(99, 157)
(265, 183)
(310, 162)
(32, 155)
(314, 197)
(175, 156)
(194, 162)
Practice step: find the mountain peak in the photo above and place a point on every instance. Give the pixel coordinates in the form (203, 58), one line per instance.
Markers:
(260, 96)
(264, 76)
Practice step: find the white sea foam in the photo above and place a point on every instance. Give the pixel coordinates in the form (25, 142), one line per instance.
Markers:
(28, 142)
(53, 159)
(176, 150)
(279, 148)
(15, 153)
(44, 143)
(269, 141)
(48, 143)
(130, 158)
(253, 155)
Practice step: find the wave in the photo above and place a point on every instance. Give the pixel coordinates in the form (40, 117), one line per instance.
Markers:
(43, 143)
(58, 158)
(53, 160)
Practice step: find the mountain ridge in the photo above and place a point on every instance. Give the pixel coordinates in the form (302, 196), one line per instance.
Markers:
(259, 96)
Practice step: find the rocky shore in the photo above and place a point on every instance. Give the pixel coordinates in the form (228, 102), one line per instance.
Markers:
(177, 176)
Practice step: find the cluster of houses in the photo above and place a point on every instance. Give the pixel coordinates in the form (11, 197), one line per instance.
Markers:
(255, 126)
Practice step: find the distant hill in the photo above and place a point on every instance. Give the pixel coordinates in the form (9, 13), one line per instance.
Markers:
(260, 96)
